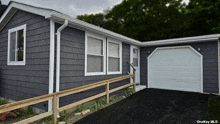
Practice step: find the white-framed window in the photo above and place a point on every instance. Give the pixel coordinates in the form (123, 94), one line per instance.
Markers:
(95, 54)
(17, 45)
(114, 56)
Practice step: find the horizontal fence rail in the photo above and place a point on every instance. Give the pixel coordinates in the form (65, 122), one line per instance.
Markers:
(55, 96)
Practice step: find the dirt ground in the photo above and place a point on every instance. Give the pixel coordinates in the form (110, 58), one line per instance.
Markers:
(153, 106)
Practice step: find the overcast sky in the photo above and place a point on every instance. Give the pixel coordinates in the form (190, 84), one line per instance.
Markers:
(73, 7)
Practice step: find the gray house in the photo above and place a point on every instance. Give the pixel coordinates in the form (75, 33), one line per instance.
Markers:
(44, 51)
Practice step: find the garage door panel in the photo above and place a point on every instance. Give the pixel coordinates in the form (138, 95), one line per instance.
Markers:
(175, 72)
(171, 79)
(170, 62)
(184, 85)
(175, 68)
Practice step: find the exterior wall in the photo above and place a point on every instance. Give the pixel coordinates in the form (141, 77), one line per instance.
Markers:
(219, 65)
(209, 50)
(18, 82)
(73, 65)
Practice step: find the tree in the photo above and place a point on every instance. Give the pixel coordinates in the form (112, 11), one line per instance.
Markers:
(147, 19)
(203, 17)
(97, 19)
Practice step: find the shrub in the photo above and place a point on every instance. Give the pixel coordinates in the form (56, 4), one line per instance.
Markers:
(13, 113)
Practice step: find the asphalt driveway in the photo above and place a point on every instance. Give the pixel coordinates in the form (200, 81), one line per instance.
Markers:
(153, 106)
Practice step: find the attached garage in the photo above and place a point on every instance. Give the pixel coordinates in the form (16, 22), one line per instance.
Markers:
(175, 68)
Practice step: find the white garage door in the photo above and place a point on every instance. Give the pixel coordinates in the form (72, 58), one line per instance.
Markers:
(175, 68)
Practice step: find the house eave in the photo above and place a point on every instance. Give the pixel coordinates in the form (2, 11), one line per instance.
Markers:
(194, 39)
(20, 6)
(89, 27)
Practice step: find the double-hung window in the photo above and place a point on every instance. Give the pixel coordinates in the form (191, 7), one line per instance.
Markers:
(114, 57)
(98, 60)
(16, 45)
(95, 55)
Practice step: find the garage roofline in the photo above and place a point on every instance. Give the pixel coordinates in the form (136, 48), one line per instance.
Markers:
(194, 39)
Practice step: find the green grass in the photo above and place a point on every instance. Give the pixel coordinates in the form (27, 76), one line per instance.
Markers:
(2, 102)
(213, 112)
(98, 104)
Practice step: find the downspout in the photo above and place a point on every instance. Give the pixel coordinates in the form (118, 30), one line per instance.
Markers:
(58, 58)
(51, 64)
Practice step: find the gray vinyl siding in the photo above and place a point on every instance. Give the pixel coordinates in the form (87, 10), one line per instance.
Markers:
(18, 82)
(73, 65)
(209, 50)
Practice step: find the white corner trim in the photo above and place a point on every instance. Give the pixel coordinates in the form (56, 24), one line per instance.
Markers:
(24, 49)
(51, 64)
(176, 47)
(101, 37)
(120, 55)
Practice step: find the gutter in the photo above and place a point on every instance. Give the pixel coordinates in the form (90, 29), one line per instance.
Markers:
(194, 39)
(58, 58)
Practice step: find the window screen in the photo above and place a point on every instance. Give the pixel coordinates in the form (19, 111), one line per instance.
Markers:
(113, 57)
(20, 45)
(12, 46)
(135, 57)
(94, 55)
(95, 46)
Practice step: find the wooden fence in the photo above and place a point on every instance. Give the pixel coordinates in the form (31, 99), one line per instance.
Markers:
(54, 96)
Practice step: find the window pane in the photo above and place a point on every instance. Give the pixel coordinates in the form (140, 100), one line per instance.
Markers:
(135, 53)
(113, 49)
(135, 61)
(113, 64)
(12, 46)
(20, 45)
(94, 63)
(94, 46)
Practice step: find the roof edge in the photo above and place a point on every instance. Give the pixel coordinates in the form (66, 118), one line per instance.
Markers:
(90, 27)
(24, 7)
(182, 40)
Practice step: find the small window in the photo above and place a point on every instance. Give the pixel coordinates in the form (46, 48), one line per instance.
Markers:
(16, 45)
(114, 58)
(95, 55)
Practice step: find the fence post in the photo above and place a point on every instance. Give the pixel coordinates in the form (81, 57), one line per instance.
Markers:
(107, 92)
(134, 79)
(55, 109)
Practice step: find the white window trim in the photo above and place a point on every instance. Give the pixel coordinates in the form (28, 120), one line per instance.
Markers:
(24, 50)
(120, 55)
(89, 34)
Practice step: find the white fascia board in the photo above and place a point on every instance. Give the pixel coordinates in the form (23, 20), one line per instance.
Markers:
(39, 11)
(181, 40)
(90, 27)
(86, 26)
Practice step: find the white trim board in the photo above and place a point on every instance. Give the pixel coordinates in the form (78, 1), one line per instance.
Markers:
(93, 35)
(16, 29)
(120, 55)
(175, 47)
